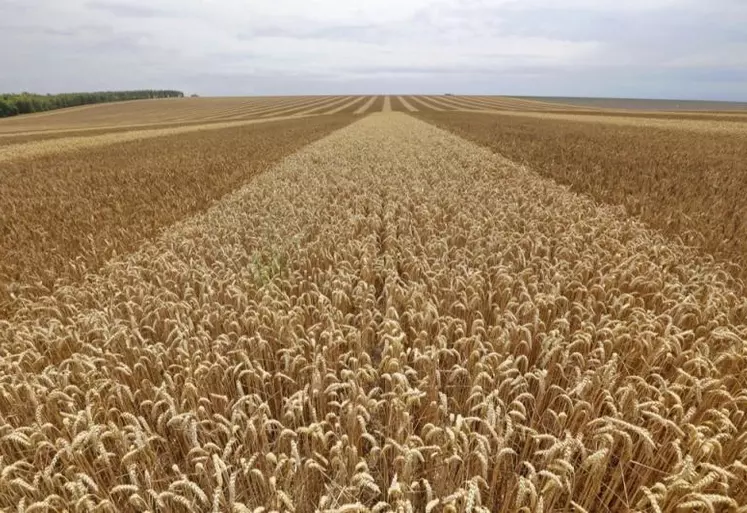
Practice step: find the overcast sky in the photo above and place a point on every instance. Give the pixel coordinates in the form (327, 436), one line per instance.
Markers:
(625, 48)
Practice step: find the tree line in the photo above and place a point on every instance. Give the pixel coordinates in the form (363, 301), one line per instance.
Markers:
(26, 103)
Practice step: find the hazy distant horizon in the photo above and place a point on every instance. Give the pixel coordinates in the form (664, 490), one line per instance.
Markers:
(526, 96)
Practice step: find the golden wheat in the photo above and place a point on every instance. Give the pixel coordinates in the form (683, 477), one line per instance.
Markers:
(65, 215)
(391, 319)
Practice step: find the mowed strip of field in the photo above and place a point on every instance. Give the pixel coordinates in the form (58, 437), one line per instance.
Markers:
(421, 104)
(39, 148)
(714, 124)
(362, 109)
(135, 112)
(391, 319)
(352, 105)
(695, 121)
(400, 104)
(156, 112)
(63, 215)
(689, 184)
(649, 104)
(490, 103)
(83, 133)
(682, 116)
(54, 143)
(387, 107)
(159, 114)
(81, 137)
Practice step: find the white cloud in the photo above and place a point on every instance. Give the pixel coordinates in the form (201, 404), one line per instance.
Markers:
(48, 45)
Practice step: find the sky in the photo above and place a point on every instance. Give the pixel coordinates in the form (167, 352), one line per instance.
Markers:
(682, 49)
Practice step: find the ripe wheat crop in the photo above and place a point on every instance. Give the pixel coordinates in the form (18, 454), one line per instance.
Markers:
(390, 319)
(688, 183)
(64, 215)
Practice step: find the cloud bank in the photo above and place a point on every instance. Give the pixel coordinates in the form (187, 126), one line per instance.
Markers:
(637, 48)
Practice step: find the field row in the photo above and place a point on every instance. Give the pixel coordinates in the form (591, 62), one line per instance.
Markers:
(178, 112)
(184, 111)
(62, 215)
(208, 112)
(693, 121)
(391, 319)
(689, 184)
(204, 110)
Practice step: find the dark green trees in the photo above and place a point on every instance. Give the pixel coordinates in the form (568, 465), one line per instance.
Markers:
(26, 103)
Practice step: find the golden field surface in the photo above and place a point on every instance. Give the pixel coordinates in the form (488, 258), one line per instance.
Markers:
(688, 181)
(372, 304)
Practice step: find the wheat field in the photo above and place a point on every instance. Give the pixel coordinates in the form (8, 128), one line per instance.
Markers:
(366, 307)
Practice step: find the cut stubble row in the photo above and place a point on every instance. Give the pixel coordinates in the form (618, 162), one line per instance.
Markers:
(166, 114)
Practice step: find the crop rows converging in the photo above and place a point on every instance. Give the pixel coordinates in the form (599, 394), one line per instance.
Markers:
(391, 318)
(68, 209)
(683, 176)
(186, 112)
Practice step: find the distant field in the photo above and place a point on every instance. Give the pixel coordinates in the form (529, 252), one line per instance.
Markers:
(643, 104)
(373, 304)
(205, 112)
(178, 111)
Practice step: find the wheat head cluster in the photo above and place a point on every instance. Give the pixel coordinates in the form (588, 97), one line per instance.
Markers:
(391, 319)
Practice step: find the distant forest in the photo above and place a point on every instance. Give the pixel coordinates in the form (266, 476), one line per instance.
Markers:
(26, 103)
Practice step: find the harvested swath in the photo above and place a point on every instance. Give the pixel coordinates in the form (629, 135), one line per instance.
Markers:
(94, 126)
(504, 103)
(391, 320)
(366, 106)
(500, 103)
(39, 148)
(222, 107)
(530, 104)
(461, 103)
(437, 100)
(331, 104)
(522, 104)
(150, 112)
(350, 106)
(424, 105)
(701, 126)
(397, 105)
(124, 113)
(681, 116)
(260, 107)
(690, 106)
(307, 105)
(496, 103)
(353, 107)
(26, 137)
(65, 215)
(387, 107)
(223, 112)
(405, 104)
(480, 102)
(378, 104)
(689, 184)
(289, 107)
